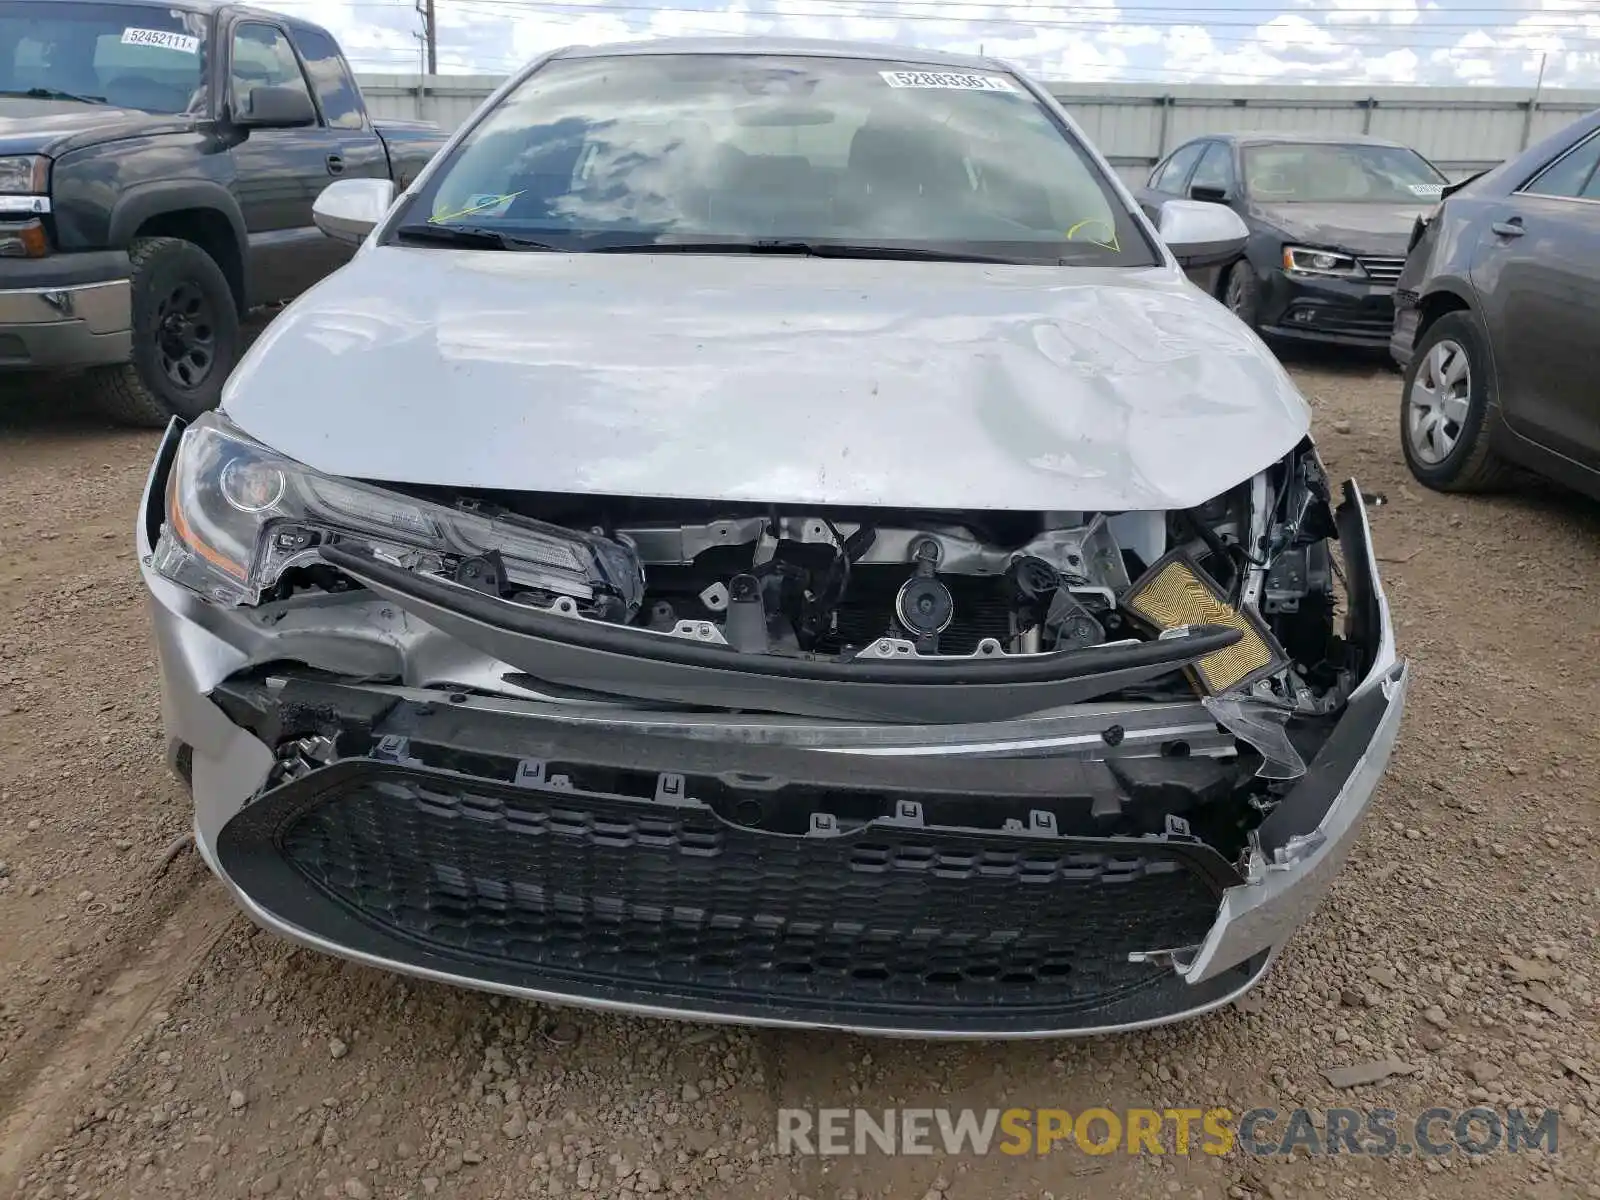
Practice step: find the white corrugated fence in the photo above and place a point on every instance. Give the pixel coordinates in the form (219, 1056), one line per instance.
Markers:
(1462, 130)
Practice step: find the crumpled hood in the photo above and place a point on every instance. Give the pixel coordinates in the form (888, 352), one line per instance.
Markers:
(1358, 228)
(790, 380)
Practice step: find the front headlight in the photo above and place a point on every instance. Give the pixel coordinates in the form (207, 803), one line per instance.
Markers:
(240, 515)
(1307, 261)
(24, 184)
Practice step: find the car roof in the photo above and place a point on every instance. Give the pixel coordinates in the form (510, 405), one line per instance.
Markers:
(1287, 138)
(201, 6)
(193, 6)
(797, 47)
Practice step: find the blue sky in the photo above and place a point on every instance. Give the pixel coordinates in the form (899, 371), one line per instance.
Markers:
(1487, 42)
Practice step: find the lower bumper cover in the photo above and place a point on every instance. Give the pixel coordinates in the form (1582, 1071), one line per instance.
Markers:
(584, 882)
(1341, 312)
(775, 885)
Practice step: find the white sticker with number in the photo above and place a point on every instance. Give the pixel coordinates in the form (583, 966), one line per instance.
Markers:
(160, 37)
(959, 81)
(1427, 190)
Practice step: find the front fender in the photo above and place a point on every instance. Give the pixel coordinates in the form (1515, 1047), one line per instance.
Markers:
(139, 203)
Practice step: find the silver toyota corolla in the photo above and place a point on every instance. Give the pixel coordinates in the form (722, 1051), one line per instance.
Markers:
(768, 532)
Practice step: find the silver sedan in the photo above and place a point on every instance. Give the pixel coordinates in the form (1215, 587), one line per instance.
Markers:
(767, 532)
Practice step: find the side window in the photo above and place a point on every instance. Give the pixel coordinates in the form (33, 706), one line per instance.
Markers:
(1215, 169)
(1170, 177)
(336, 91)
(263, 57)
(1572, 175)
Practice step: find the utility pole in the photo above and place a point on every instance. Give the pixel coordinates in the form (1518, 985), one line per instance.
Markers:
(430, 36)
(429, 64)
(1533, 105)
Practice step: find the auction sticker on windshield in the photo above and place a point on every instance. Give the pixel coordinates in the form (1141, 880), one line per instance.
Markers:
(163, 38)
(957, 80)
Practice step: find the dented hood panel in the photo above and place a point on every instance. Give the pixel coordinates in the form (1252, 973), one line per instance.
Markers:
(791, 380)
(1359, 228)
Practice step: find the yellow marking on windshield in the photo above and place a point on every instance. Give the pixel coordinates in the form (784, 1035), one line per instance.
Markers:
(1108, 243)
(491, 202)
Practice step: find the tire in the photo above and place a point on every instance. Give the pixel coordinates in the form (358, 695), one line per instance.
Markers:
(1241, 292)
(185, 337)
(1444, 407)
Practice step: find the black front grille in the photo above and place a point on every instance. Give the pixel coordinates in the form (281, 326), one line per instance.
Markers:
(887, 924)
(1382, 268)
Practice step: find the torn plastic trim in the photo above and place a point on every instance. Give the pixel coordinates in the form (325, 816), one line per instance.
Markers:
(627, 661)
(1299, 847)
(1295, 860)
(1264, 727)
(1369, 622)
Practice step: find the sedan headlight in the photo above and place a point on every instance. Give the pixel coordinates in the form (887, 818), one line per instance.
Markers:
(239, 515)
(1307, 261)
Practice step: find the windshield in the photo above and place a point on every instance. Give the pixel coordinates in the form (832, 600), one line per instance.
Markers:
(593, 153)
(1333, 174)
(130, 56)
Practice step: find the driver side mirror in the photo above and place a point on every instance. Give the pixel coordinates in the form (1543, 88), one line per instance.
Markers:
(1201, 234)
(275, 108)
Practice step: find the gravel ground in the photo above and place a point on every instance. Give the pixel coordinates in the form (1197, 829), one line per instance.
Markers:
(151, 1043)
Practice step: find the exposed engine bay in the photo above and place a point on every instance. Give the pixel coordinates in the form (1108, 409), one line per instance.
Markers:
(860, 592)
(1220, 619)
(929, 586)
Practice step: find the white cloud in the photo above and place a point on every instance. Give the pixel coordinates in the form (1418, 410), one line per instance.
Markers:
(1371, 12)
(1291, 35)
(1321, 41)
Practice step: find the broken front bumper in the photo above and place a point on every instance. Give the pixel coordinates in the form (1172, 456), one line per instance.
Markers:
(782, 870)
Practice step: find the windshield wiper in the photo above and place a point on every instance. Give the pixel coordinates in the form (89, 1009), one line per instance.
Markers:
(44, 93)
(475, 236)
(480, 237)
(805, 249)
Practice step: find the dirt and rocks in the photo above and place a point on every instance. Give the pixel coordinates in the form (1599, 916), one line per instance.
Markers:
(152, 1043)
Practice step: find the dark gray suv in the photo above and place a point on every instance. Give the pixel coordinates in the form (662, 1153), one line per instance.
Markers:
(1497, 322)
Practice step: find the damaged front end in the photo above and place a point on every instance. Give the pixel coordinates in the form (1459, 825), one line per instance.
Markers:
(977, 773)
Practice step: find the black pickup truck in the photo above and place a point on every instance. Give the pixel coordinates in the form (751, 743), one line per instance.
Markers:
(158, 163)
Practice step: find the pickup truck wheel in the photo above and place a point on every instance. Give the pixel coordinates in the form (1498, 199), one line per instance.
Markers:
(185, 337)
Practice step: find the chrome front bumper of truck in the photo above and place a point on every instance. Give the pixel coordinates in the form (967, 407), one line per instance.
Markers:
(55, 318)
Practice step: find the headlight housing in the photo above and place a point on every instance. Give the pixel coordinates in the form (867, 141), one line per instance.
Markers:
(1305, 260)
(24, 184)
(239, 515)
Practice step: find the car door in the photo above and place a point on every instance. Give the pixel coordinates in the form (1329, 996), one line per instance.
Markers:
(279, 172)
(1170, 179)
(1537, 273)
(359, 153)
